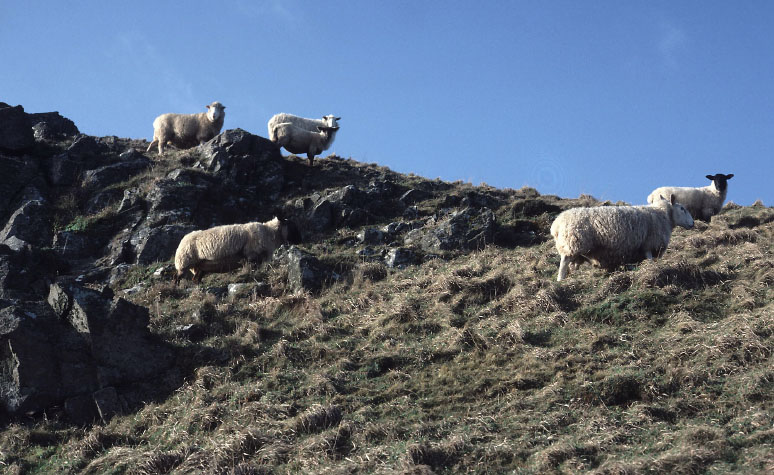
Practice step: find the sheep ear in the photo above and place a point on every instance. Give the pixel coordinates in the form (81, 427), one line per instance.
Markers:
(339, 118)
(207, 106)
(321, 128)
(710, 177)
(672, 199)
(728, 177)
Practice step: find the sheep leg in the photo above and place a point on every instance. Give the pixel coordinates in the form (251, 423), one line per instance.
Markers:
(310, 156)
(155, 141)
(649, 255)
(562, 269)
(176, 278)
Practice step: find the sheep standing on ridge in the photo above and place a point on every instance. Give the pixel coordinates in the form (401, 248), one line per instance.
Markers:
(704, 202)
(611, 235)
(298, 140)
(187, 130)
(302, 123)
(221, 248)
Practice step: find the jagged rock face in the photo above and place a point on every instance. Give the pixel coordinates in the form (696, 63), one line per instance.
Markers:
(83, 343)
(245, 160)
(52, 126)
(16, 134)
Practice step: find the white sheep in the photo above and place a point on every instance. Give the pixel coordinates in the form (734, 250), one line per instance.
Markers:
(302, 123)
(298, 140)
(222, 248)
(187, 130)
(702, 202)
(607, 236)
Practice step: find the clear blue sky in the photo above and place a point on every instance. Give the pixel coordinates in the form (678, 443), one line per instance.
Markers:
(607, 97)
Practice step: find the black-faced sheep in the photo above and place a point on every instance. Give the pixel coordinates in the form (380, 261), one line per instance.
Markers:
(704, 202)
(222, 248)
(187, 130)
(607, 236)
(298, 140)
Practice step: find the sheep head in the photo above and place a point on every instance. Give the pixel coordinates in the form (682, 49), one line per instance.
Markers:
(720, 180)
(215, 111)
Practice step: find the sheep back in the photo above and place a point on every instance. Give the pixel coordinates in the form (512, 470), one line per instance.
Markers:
(298, 140)
(610, 235)
(300, 122)
(186, 130)
(702, 202)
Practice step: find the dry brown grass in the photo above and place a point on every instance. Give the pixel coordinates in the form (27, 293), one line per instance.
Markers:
(480, 363)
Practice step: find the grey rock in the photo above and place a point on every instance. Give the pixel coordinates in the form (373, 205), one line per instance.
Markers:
(52, 126)
(85, 146)
(400, 257)
(75, 245)
(461, 230)
(158, 244)
(371, 236)
(133, 164)
(241, 158)
(117, 334)
(29, 223)
(414, 196)
(16, 134)
(305, 271)
(16, 175)
(321, 216)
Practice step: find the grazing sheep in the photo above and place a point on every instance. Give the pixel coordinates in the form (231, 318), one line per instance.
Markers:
(608, 236)
(187, 130)
(298, 140)
(704, 202)
(221, 248)
(302, 123)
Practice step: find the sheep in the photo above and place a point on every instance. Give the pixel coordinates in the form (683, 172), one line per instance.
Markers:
(187, 130)
(301, 122)
(608, 236)
(298, 140)
(221, 248)
(703, 202)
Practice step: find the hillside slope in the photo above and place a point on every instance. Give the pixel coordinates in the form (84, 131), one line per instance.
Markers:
(427, 336)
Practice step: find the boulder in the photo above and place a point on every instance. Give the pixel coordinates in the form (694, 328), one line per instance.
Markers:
(305, 271)
(52, 126)
(400, 257)
(132, 163)
(371, 236)
(244, 159)
(116, 332)
(16, 136)
(158, 244)
(467, 229)
(29, 223)
(15, 175)
(85, 146)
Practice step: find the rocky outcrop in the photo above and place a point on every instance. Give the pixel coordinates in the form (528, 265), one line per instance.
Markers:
(467, 229)
(77, 213)
(83, 350)
(16, 136)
